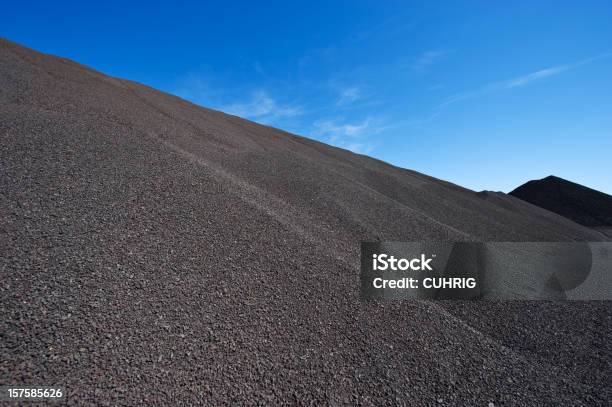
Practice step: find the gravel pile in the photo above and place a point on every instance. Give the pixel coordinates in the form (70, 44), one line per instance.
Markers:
(583, 205)
(156, 252)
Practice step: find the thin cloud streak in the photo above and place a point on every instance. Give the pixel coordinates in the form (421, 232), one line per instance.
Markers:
(520, 81)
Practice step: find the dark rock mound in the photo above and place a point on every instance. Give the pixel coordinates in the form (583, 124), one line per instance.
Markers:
(583, 205)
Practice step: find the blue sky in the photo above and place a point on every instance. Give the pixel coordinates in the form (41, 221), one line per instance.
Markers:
(485, 94)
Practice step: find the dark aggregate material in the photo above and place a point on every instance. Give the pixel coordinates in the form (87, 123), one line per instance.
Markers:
(155, 252)
(583, 205)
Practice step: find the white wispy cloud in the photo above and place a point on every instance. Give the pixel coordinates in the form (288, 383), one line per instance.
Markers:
(534, 76)
(349, 95)
(353, 136)
(428, 58)
(520, 81)
(262, 107)
(340, 130)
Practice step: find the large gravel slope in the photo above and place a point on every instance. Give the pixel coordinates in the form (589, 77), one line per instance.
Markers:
(156, 252)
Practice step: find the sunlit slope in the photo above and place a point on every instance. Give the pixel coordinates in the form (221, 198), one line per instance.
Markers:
(155, 249)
